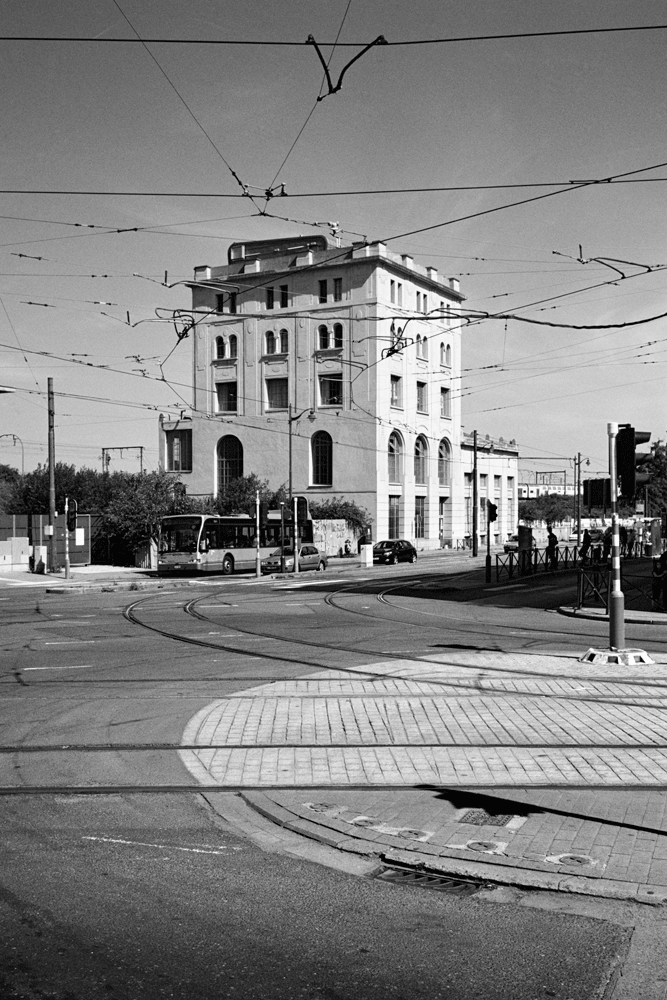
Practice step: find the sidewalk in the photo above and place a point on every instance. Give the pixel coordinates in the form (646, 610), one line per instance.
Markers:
(518, 769)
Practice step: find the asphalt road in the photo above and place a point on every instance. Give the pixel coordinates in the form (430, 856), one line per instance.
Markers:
(111, 893)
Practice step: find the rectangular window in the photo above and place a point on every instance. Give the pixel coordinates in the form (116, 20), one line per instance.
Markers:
(420, 516)
(425, 302)
(220, 303)
(399, 294)
(422, 397)
(445, 403)
(338, 289)
(227, 397)
(232, 302)
(276, 393)
(396, 390)
(510, 487)
(419, 301)
(179, 451)
(483, 482)
(331, 389)
(284, 296)
(392, 291)
(323, 291)
(394, 516)
(269, 297)
(496, 485)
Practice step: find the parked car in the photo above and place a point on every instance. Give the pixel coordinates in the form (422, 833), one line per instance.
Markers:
(512, 544)
(394, 551)
(310, 557)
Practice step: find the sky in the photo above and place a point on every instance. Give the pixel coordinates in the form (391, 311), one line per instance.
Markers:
(162, 137)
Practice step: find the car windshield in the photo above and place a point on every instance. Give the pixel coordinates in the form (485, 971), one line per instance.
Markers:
(385, 545)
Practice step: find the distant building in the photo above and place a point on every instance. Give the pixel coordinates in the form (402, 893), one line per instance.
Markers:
(333, 370)
(497, 481)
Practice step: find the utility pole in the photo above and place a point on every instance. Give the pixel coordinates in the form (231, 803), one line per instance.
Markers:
(475, 512)
(52, 480)
(577, 465)
(616, 598)
(258, 528)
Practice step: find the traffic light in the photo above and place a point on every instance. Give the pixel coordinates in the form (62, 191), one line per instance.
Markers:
(301, 509)
(71, 515)
(627, 440)
(263, 512)
(597, 493)
(492, 509)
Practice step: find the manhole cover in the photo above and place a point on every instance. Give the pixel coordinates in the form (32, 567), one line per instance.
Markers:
(480, 817)
(426, 880)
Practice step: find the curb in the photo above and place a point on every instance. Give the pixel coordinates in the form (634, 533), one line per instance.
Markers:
(445, 864)
(629, 617)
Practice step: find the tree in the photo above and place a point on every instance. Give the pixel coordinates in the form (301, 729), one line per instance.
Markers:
(240, 495)
(339, 507)
(550, 507)
(138, 503)
(656, 466)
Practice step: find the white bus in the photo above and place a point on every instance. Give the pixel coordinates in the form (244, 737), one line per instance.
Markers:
(209, 543)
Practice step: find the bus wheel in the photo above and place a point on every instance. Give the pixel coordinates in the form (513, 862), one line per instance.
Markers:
(227, 565)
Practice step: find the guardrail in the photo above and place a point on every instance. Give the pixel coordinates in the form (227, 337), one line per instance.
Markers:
(526, 563)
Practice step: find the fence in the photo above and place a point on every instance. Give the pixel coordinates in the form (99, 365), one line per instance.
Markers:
(511, 564)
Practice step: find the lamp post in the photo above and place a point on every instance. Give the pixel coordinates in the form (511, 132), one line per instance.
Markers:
(16, 438)
(290, 420)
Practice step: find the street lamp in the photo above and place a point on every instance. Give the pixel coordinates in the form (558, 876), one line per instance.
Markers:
(290, 420)
(16, 438)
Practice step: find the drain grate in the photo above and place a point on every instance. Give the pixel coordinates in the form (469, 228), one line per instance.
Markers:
(480, 817)
(427, 880)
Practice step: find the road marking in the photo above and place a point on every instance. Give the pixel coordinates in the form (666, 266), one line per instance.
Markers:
(300, 604)
(511, 586)
(69, 642)
(79, 666)
(219, 849)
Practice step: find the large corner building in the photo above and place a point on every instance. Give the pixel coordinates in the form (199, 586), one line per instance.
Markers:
(332, 369)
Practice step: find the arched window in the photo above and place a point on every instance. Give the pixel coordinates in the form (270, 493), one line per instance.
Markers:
(419, 345)
(323, 338)
(322, 458)
(284, 341)
(219, 347)
(421, 460)
(425, 349)
(338, 335)
(230, 461)
(233, 346)
(443, 354)
(448, 356)
(395, 455)
(444, 463)
(270, 342)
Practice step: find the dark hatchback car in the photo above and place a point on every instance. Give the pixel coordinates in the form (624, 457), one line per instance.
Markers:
(397, 550)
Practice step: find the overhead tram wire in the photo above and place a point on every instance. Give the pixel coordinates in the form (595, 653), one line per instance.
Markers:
(287, 44)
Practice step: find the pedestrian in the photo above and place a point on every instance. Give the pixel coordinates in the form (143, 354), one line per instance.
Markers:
(585, 546)
(631, 543)
(606, 545)
(552, 550)
(658, 584)
(663, 566)
(623, 537)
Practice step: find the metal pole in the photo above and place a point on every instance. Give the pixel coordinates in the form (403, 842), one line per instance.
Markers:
(474, 494)
(66, 539)
(282, 537)
(258, 555)
(52, 479)
(296, 536)
(577, 462)
(289, 429)
(488, 542)
(616, 599)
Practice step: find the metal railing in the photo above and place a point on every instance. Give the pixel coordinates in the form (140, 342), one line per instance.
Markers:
(526, 563)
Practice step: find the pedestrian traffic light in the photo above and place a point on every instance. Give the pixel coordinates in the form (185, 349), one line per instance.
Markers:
(597, 493)
(263, 512)
(492, 509)
(71, 515)
(301, 509)
(627, 440)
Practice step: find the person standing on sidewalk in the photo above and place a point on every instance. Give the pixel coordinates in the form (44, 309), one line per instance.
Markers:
(585, 546)
(659, 583)
(552, 550)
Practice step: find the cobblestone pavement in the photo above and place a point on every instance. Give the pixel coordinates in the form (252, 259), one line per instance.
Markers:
(477, 720)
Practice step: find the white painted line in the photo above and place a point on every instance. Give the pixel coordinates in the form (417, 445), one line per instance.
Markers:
(510, 586)
(80, 666)
(300, 604)
(70, 642)
(220, 849)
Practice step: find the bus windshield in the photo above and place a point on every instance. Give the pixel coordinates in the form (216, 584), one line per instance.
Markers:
(180, 534)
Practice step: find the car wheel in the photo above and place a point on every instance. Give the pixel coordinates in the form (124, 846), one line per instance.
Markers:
(394, 559)
(321, 567)
(413, 557)
(227, 565)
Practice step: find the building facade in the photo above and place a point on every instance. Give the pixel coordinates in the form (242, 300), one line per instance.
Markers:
(334, 370)
(497, 481)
